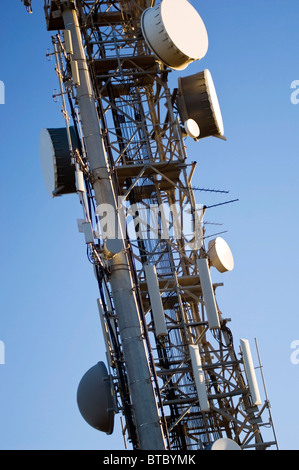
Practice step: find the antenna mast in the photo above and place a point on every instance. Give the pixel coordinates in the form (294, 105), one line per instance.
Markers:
(173, 370)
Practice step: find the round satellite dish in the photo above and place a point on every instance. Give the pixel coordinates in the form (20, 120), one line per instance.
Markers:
(112, 247)
(192, 129)
(198, 101)
(220, 255)
(57, 168)
(175, 33)
(95, 398)
(224, 444)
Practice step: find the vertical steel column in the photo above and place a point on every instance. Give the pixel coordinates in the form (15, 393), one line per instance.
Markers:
(144, 403)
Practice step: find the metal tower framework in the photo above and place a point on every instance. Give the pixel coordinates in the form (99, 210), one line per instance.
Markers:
(147, 169)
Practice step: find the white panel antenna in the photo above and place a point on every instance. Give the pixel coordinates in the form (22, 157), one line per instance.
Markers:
(80, 185)
(155, 299)
(68, 43)
(208, 293)
(75, 73)
(199, 378)
(88, 232)
(250, 372)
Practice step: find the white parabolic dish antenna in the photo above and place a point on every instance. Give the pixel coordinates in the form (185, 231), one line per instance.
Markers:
(214, 101)
(198, 100)
(175, 32)
(192, 128)
(220, 255)
(225, 444)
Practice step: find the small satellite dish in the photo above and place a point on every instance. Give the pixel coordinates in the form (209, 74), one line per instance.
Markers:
(57, 168)
(112, 247)
(95, 398)
(220, 255)
(224, 444)
(198, 100)
(192, 129)
(175, 32)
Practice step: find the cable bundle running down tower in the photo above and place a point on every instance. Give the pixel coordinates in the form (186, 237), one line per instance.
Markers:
(173, 371)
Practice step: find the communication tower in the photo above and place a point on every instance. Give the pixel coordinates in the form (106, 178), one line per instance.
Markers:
(173, 371)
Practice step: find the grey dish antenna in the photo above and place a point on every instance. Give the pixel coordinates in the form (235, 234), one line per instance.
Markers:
(95, 398)
(57, 167)
(197, 100)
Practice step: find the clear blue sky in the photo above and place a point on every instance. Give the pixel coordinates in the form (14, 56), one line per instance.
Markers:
(49, 321)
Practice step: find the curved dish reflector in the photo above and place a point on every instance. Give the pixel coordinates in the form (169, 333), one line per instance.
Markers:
(57, 168)
(220, 255)
(192, 129)
(198, 101)
(224, 444)
(112, 247)
(175, 32)
(95, 399)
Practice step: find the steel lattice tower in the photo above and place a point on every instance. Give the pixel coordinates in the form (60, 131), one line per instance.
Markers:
(111, 77)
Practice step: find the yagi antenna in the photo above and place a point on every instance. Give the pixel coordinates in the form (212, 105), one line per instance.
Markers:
(221, 191)
(215, 234)
(212, 223)
(221, 203)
